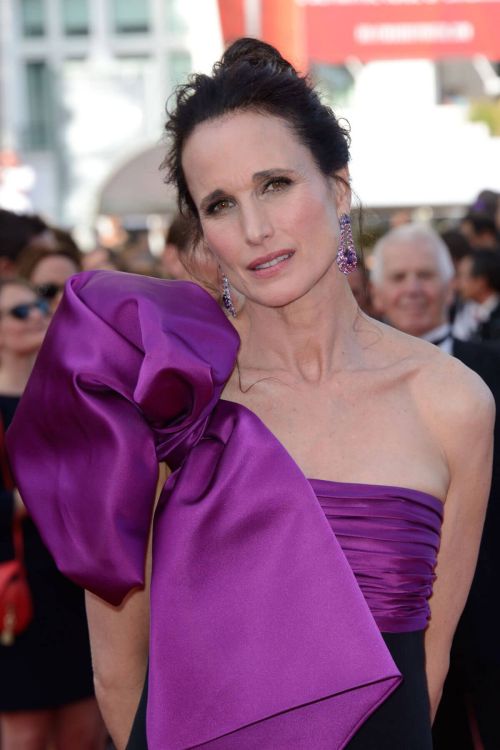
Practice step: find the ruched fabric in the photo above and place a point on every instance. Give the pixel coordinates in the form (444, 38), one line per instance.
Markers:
(260, 635)
(390, 536)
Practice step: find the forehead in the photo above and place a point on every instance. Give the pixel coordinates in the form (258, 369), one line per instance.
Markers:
(56, 268)
(227, 151)
(13, 294)
(411, 256)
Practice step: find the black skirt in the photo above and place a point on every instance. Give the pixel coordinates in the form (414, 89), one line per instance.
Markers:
(402, 722)
(49, 665)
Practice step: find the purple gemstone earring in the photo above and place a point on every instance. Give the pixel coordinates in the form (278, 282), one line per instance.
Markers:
(226, 296)
(347, 259)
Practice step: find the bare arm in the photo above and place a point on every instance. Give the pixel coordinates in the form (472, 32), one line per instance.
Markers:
(468, 446)
(119, 640)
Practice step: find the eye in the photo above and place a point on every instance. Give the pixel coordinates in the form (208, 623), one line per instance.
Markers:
(277, 184)
(217, 206)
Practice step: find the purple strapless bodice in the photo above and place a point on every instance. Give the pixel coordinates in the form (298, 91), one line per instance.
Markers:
(390, 537)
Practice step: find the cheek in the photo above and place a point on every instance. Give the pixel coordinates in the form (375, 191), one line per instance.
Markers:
(315, 215)
(222, 240)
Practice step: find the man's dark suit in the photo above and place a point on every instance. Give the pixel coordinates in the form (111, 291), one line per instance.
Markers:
(475, 657)
(489, 330)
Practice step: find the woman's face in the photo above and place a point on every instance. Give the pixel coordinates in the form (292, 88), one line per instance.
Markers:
(267, 212)
(51, 273)
(23, 335)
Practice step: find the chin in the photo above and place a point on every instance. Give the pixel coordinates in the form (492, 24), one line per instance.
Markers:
(286, 295)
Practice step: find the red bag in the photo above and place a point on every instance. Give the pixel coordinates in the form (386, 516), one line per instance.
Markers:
(16, 606)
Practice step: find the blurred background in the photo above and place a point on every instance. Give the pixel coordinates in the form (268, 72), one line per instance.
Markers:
(83, 87)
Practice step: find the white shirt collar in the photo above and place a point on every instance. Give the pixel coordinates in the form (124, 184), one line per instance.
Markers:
(441, 332)
(484, 309)
(442, 337)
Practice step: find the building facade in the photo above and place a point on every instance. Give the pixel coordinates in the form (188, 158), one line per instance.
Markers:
(83, 88)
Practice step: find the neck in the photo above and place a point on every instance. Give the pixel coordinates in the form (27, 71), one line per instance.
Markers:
(311, 338)
(14, 372)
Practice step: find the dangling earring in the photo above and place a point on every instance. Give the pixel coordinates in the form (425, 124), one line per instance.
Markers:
(347, 259)
(226, 296)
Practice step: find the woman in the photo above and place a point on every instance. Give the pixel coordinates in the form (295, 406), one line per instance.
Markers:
(48, 269)
(46, 692)
(260, 635)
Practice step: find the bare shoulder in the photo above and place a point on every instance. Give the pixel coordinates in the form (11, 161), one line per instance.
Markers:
(454, 392)
(445, 389)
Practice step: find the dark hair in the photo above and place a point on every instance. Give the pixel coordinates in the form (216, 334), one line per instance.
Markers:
(17, 231)
(486, 203)
(180, 233)
(457, 244)
(481, 223)
(486, 264)
(253, 76)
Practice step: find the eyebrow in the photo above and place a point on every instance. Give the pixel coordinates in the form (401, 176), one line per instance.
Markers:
(256, 177)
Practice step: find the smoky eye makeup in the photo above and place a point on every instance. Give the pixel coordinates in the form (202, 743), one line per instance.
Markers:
(277, 183)
(217, 201)
(214, 208)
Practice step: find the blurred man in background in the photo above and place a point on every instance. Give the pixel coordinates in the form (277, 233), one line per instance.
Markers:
(480, 230)
(412, 278)
(478, 283)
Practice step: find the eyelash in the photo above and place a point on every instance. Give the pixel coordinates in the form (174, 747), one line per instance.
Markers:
(214, 208)
(281, 182)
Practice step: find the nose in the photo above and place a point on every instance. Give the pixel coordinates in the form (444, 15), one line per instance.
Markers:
(255, 221)
(412, 284)
(38, 312)
(35, 312)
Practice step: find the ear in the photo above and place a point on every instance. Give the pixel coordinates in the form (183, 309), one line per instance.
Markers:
(342, 190)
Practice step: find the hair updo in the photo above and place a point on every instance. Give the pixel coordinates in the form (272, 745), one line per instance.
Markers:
(253, 76)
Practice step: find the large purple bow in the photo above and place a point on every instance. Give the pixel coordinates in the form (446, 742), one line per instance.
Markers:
(260, 636)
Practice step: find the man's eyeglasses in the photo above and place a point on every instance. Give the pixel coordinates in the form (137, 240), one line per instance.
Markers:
(23, 311)
(49, 290)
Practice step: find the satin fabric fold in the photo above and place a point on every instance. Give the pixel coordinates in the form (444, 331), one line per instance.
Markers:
(260, 635)
(390, 536)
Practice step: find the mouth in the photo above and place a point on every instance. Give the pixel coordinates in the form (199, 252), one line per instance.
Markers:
(271, 261)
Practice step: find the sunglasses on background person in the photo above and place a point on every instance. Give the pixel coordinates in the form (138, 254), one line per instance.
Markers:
(24, 310)
(49, 290)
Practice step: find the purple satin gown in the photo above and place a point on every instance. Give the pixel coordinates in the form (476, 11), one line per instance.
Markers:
(260, 633)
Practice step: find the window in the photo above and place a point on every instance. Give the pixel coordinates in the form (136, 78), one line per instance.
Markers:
(176, 20)
(75, 17)
(130, 16)
(39, 101)
(179, 66)
(336, 83)
(32, 17)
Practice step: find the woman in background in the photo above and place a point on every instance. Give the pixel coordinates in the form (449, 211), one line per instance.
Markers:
(48, 269)
(46, 690)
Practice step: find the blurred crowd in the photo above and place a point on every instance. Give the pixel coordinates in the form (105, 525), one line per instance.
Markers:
(442, 286)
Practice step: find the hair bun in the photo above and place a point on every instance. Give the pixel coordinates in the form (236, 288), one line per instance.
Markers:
(254, 52)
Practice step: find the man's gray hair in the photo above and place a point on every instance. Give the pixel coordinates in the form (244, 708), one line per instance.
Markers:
(411, 234)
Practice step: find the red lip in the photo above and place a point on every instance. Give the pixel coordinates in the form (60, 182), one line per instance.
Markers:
(267, 258)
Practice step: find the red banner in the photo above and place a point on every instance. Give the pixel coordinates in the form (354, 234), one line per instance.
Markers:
(391, 29)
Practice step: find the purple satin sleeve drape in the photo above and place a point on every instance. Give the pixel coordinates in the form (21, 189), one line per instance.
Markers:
(260, 636)
(109, 387)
